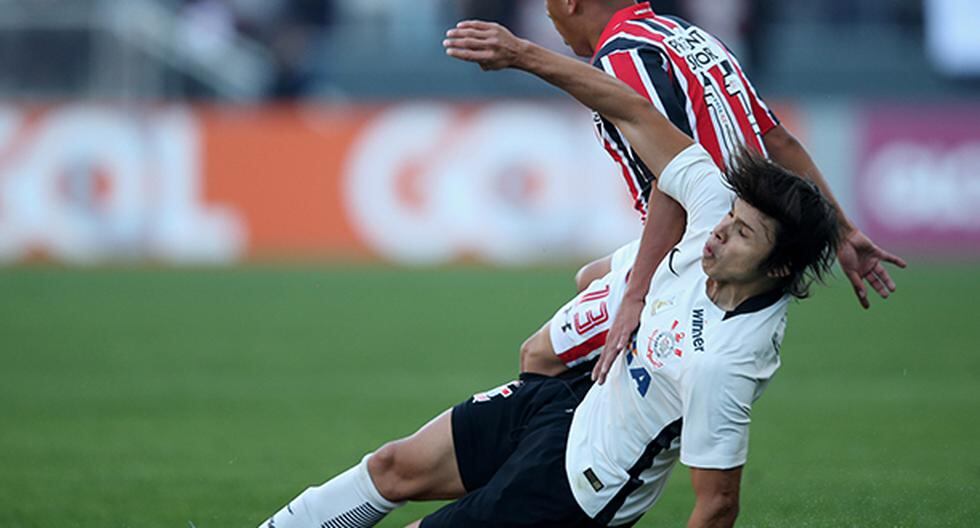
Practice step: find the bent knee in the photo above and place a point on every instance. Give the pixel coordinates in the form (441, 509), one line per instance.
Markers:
(583, 277)
(528, 350)
(592, 271)
(538, 355)
(392, 473)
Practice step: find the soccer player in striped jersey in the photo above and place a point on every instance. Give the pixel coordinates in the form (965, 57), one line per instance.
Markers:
(690, 77)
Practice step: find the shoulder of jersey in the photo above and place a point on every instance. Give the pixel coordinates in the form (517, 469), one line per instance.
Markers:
(619, 32)
(755, 330)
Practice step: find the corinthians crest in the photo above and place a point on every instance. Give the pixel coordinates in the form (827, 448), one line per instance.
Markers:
(662, 343)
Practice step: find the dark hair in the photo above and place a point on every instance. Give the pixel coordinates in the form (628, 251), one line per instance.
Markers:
(807, 230)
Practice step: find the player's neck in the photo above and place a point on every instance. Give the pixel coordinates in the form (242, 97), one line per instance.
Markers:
(600, 19)
(729, 295)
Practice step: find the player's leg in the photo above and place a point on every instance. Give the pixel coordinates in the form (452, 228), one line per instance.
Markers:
(458, 451)
(538, 354)
(592, 271)
(577, 332)
(530, 488)
(420, 467)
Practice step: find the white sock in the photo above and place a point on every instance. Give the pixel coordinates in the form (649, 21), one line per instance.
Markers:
(348, 500)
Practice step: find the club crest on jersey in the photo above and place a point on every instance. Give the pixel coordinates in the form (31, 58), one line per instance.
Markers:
(663, 344)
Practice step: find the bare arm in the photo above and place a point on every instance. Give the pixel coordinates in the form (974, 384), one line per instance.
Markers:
(787, 151)
(663, 230)
(656, 140)
(716, 497)
(860, 258)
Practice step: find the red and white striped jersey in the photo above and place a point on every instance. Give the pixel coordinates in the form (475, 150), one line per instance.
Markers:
(691, 77)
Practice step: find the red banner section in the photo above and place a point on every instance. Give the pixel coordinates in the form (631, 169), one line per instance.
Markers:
(505, 183)
(918, 182)
(280, 170)
(508, 182)
(85, 184)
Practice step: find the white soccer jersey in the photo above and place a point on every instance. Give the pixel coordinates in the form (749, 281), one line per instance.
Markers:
(693, 374)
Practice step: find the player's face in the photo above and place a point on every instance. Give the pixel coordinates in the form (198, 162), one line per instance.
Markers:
(738, 245)
(563, 19)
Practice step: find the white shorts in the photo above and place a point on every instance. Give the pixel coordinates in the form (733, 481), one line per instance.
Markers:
(578, 330)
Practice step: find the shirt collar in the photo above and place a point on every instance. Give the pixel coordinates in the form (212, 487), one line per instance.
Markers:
(756, 304)
(639, 10)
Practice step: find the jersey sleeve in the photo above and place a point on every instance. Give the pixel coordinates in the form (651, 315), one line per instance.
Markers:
(717, 413)
(695, 182)
(646, 70)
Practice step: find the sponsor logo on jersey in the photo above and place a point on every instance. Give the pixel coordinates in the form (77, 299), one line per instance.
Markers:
(697, 329)
(697, 49)
(661, 305)
(594, 481)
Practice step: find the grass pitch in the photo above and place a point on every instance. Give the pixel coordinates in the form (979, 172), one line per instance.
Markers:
(208, 398)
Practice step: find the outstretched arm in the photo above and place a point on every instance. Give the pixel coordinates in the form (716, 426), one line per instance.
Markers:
(860, 259)
(655, 139)
(493, 47)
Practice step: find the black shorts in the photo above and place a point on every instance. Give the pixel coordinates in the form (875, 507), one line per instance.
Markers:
(510, 448)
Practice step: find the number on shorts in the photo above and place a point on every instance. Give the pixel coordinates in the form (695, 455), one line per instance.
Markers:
(593, 318)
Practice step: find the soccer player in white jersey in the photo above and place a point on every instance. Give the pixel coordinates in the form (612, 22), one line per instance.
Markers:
(535, 453)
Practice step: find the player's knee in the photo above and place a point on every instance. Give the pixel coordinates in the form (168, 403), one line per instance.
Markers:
(538, 357)
(725, 508)
(592, 271)
(528, 353)
(583, 277)
(391, 473)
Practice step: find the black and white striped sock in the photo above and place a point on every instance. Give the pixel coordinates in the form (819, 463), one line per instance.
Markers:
(363, 515)
(348, 500)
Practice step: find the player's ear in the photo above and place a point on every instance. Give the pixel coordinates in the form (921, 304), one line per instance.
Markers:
(572, 6)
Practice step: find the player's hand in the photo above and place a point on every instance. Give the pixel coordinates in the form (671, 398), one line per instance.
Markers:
(862, 261)
(490, 45)
(620, 333)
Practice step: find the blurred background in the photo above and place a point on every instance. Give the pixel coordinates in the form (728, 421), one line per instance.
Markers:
(228, 130)
(243, 242)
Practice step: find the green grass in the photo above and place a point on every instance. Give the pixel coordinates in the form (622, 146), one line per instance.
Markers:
(156, 398)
